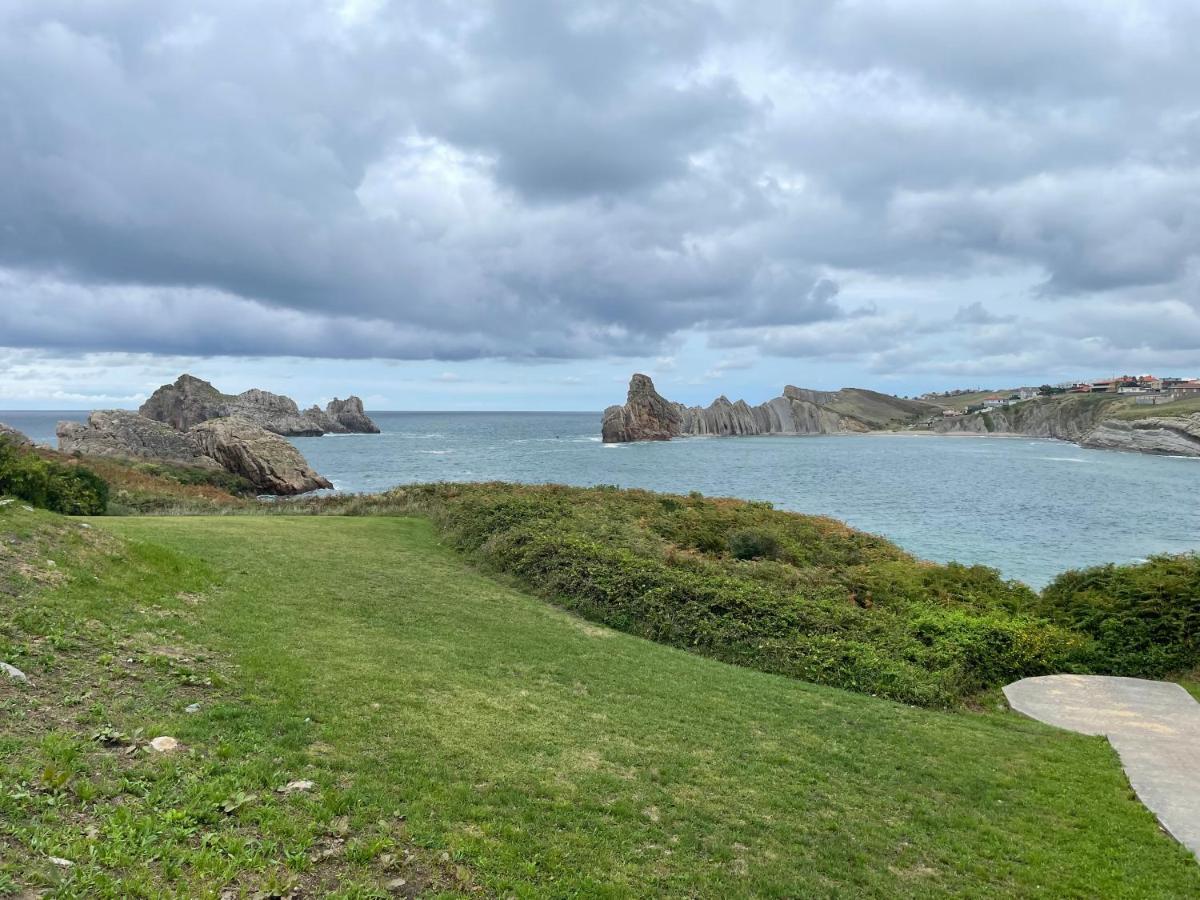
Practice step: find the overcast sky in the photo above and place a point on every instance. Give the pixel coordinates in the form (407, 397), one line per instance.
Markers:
(514, 205)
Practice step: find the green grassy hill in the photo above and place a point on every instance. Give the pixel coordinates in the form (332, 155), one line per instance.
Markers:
(470, 740)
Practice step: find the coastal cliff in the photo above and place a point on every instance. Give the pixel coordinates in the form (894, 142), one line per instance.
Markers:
(190, 401)
(648, 416)
(1104, 422)
(1062, 418)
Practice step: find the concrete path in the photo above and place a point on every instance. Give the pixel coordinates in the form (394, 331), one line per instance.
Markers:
(1153, 725)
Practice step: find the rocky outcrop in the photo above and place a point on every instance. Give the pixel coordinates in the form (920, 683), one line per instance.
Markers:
(265, 459)
(190, 401)
(1170, 436)
(648, 416)
(127, 435)
(12, 436)
(349, 415)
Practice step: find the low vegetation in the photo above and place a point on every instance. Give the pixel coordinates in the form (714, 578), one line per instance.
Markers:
(458, 738)
(25, 475)
(1143, 619)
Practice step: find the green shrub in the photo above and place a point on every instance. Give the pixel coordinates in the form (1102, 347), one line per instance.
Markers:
(69, 489)
(1144, 619)
(753, 543)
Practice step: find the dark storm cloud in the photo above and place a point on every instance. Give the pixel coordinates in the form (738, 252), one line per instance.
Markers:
(537, 180)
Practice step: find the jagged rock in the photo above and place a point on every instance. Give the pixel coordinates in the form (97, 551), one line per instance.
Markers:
(119, 433)
(330, 426)
(14, 437)
(265, 459)
(1172, 436)
(187, 402)
(647, 415)
(190, 401)
(349, 415)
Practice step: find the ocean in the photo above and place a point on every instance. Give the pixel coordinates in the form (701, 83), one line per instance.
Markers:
(1030, 508)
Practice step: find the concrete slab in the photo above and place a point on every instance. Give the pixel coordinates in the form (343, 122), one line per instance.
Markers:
(1154, 726)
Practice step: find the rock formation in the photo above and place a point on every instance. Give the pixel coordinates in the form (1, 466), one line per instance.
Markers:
(12, 436)
(1063, 418)
(1171, 436)
(190, 401)
(349, 415)
(124, 434)
(648, 416)
(1086, 421)
(263, 458)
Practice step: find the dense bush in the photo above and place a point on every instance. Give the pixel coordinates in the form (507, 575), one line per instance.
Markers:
(753, 543)
(69, 489)
(815, 599)
(1144, 619)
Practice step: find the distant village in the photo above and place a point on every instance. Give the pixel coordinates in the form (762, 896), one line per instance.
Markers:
(1148, 390)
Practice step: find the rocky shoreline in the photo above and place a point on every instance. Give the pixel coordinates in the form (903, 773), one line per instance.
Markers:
(1089, 422)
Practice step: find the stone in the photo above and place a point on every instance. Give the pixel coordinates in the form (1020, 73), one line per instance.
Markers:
(293, 787)
(1153, 725)
(13, 672)
(263, 458)
(60, 862)
(12, 436)
(123, 434)
(350, 416)
(192, 708)
(164, 744)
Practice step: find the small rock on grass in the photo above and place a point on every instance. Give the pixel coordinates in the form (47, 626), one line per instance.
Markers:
(164, 744)
(12, 672)
(192, 708)
(293, 787)
(60, 862)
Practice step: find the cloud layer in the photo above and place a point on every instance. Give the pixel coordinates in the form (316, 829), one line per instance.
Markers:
(914, 186)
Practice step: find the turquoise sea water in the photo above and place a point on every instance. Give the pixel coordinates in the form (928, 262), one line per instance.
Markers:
(1030, 508)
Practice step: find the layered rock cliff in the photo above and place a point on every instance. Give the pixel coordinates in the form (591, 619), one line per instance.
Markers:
(190, 401)
(647, 415)
(1178, 436)
(1064, 418)
(265, 459)
(1088, 421)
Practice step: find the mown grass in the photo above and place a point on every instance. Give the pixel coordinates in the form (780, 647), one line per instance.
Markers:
(798, 595)
(441, 713)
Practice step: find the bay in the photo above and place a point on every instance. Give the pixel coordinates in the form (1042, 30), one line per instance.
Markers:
(1030, 508)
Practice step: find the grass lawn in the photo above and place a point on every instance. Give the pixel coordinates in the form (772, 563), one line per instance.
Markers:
(479, 741)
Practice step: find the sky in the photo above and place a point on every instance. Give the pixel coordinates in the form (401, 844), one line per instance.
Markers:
(515, 205)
